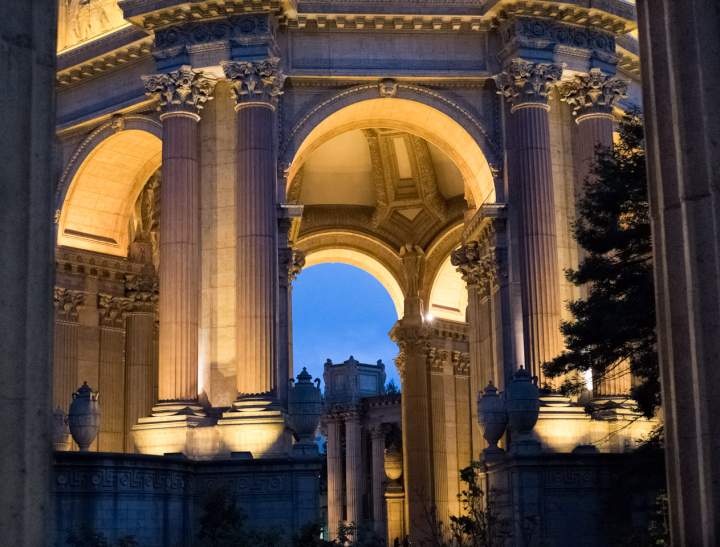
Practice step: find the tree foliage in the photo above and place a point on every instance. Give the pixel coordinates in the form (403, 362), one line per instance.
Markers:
(615, 325)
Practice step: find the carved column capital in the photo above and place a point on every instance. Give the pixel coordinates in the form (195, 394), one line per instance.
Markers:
(255, 82)
(478, 268)
(291, 262)
(142, 291)
(436, 360)
(67, 304)
(113, 310)
(593, 94)
(461, 363)
(378, 432)
(527, 84)
(180, 92)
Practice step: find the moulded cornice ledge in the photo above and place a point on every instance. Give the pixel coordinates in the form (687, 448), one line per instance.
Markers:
(154, 14)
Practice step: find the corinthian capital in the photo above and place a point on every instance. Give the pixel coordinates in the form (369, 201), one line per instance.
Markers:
(527, 84)
(142, 292)
(478, 268)
(67, 304)
(291, 262)
(255, 81)
(593, 94)
(182, 91)
(113, 310)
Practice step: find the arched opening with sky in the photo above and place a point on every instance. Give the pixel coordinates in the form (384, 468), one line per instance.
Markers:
(340, 310)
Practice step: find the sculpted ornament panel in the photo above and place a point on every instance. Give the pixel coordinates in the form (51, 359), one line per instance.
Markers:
(256, 81)
(183, 90)
(526, 83)
(239, 29)
(593, 93)
(539, 32)
(68, 303)
(113, 310)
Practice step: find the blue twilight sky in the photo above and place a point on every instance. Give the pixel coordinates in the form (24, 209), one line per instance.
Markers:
(339, 311)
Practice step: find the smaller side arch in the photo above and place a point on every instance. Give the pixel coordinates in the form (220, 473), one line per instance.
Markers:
(364, 252)
(102, 180)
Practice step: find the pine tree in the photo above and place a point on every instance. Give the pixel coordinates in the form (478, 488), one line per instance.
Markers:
(615, 324)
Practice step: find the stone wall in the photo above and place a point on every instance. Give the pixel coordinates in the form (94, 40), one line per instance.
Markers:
(158, 498)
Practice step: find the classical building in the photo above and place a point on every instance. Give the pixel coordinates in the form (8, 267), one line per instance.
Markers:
(208, 151)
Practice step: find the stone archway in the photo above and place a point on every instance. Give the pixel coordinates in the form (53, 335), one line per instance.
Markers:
(440, 121)
(102, 181)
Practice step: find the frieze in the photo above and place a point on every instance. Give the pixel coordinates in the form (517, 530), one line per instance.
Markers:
(241, 30)
(572, 477)
(88, 263)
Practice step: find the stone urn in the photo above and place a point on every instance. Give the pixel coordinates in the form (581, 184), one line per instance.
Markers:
(84, 417)
(61, 431)
(523, 403)
(393, 462)
(492, 417)
(305, 407)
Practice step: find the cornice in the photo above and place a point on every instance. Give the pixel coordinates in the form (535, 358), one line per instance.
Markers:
(69, 260)
(98, 47)
(96, 66)
(379, 22)
(607, 15)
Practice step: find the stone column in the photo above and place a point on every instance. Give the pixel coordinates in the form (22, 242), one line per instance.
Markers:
(679, 44)
(181, 94)
(256, 86)
(377, 436)
(435, 367)
(526, 86)
(67, 305)
(290, 263)
(461, 370)
(27, 42)
(111, 382)
(139, 351)
(593, 97)
(335, 474)
(412, 337)
(353, 466)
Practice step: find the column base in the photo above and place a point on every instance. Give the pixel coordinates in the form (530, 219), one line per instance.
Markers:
(257, 426)
(175, 427)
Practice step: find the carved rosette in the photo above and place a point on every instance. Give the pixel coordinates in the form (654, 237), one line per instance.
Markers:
(180, 92)
(142, 291)
(478, 268)
(67, 304)
(291, 263)
(593, 94)
(113, 310)
(255, 82)
(527, 84)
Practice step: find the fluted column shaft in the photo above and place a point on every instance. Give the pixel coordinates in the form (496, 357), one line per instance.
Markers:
(439, 444)
(593, 131)
(66, 361)
(335, 478)
(111, 383)
(180, 259)
(378, 477)
(412, 338)
(256, 254)
(475, 346)
(537, 240)
(353, 469)
(139, 357)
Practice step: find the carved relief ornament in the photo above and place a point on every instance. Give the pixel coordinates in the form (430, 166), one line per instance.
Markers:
(68, 303)
(142, 291)
(593, 94)
(113, 310)
(255, 82)
(291, 262)
(478, 267)
(181, 91)
(528, 84)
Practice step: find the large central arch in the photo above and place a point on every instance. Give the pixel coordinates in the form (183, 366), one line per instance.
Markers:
(418, 118)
